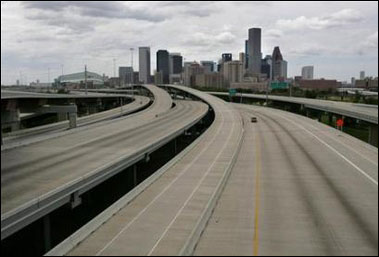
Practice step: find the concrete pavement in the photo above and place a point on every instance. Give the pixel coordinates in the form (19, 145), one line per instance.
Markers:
(298, 188)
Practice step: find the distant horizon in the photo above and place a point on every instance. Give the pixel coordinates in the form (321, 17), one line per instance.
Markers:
(339, 42)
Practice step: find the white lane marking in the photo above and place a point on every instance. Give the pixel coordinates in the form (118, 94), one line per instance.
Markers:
(333, 149)
(340, 142)
(161, 193)
(192, 193)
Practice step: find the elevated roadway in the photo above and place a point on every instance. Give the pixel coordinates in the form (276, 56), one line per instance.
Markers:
(366, 113)
(298, 188)
(40, 177)
(167, 217)
(24, 136)
(13, 94)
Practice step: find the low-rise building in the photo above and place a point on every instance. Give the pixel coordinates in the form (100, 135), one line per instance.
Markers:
(158, 77)
(210, 80)
(367, 83)
(319, 84)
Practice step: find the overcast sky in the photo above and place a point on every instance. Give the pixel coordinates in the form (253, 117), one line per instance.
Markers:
(338, 38)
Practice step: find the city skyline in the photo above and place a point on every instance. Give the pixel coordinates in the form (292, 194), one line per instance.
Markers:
(204, 32)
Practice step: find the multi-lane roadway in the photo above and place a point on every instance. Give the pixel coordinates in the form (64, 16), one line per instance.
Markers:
(298, 188)
(43, 175)
(285, 185)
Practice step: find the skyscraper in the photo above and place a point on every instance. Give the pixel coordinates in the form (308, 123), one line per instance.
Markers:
(144, 64)
(362, 75)
(307, 72)
(163, 65)
(254, 50)
(266, 67)
(126, 75)
(279, 66)
(246, 54)
(233, 72)
(227, 57)
(208, 66)
(176, 63)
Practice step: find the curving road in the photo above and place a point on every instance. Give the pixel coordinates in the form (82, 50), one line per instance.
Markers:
(298, 188)
(33, 174)
(167, 216)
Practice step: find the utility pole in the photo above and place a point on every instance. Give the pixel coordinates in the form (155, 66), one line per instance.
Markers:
(85, 77)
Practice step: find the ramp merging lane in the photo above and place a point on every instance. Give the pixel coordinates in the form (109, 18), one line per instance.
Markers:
(169, 215)
(41, 176)
(298, 188)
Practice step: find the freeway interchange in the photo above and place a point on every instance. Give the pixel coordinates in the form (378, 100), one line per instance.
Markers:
(285, 185)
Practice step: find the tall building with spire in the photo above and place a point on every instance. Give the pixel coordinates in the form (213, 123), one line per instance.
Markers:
(279, 65)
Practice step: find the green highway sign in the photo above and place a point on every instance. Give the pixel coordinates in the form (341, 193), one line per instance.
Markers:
(279, 85)
(232, 91)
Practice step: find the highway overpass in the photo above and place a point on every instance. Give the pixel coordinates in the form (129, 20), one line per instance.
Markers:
(15, 102)
(286, 185)
(25, 136)
(58, 170)
(169, 215)
(362, 112)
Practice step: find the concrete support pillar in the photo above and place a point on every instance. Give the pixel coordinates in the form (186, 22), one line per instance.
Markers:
(330, 119)
(72, 117)
(47, 232)
(135, 179)
(61, 116)
(308, 113)
(373, 135)
(319, 116)
(175, 146)
(75, 200)
(11, 118)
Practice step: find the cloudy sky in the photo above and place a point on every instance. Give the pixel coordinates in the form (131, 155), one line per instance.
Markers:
(338, 38)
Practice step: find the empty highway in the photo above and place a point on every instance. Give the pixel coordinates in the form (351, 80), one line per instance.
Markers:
(167, 217)
(45, 173)
(298, 188)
